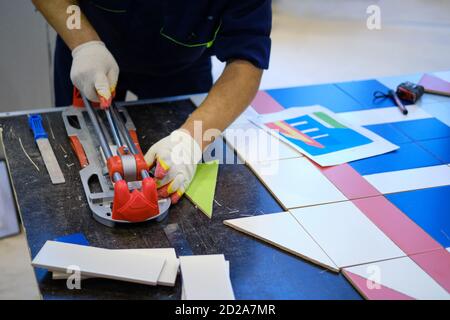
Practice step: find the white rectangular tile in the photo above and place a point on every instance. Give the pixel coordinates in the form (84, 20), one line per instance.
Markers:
(296, 182)
(253, 144)
(167, 276)
(383, 115)
(283, 231)
(206, 277)
(242, 119)
(410, 179)
(183, 293)
(98, 262)
(443, 75)
(402, 275)
(394, 81)
(346, 234)
(441, 111)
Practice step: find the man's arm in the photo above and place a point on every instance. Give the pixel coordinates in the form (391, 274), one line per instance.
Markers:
(55, 12)
(94, 70)
(177, 155)
(228, 98)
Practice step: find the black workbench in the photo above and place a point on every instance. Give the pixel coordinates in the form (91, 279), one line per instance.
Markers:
(258, 270)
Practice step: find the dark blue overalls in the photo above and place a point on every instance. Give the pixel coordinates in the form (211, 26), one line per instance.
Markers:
(164, 47)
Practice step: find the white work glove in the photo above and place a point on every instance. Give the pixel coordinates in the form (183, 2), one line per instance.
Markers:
(176, 157)
(94, 71)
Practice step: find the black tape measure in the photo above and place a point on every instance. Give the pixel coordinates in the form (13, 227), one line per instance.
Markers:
(410, 92)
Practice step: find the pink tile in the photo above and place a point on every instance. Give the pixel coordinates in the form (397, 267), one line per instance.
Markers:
(436, 264)
(381, 293)
(396, 225)
(435, 84)
(264, 103)
(349, 181)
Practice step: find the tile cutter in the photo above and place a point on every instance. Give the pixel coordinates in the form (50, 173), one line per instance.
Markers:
(115, 177)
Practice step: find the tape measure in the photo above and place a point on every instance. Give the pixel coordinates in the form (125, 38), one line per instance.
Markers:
(410, 92)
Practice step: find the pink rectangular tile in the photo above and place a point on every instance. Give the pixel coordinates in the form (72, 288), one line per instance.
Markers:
(396, 225)
(264, 103)
(349, 181)
(436, 264)
(433, 84)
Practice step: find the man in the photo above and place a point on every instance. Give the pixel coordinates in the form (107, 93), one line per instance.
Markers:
(164, 48)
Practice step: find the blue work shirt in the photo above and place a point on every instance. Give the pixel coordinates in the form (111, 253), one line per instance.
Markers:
(163, 47)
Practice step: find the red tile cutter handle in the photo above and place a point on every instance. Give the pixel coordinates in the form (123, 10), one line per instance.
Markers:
(127, 165)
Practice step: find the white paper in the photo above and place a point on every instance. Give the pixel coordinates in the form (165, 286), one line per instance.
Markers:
(323, 131)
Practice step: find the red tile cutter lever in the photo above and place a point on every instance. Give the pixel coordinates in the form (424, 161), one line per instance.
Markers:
(128, 192)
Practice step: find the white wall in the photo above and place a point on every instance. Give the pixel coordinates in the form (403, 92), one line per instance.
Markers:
(25, 72)
(313, 42)
(322, 41)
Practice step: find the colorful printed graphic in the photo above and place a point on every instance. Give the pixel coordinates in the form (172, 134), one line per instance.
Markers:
(318, 133)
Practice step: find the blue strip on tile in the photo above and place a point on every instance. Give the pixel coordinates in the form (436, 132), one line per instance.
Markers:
(440, 148)
(76, 238)
(408, 156)
(389, 132)
(362, 91)
(327, 95)
(423, 129)
(429, 209)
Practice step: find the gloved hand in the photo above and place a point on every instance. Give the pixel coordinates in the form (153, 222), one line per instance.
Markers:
(176, 158)
(94, 71)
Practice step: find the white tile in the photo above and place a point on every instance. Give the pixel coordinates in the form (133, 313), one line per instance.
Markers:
(410, 179)
(253, 144)
(283, 231)
(98, 262)
(383, 115)
(242, 119)
(346, 234)
(296, 182)
(206, 277)
(439, 110)
(402, 275)
(183, 293)
(394, 81)
(169, 272)
(167, 277)
(445, 75)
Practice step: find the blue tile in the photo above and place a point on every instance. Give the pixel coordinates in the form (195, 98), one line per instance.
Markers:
(429, 209)
(327, 95)
(409, 156)
(389, 132)
(362, 91)
(440, 148)
(76, 238)
(423, 129)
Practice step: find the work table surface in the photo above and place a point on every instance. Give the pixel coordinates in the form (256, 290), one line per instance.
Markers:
(257, 270)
